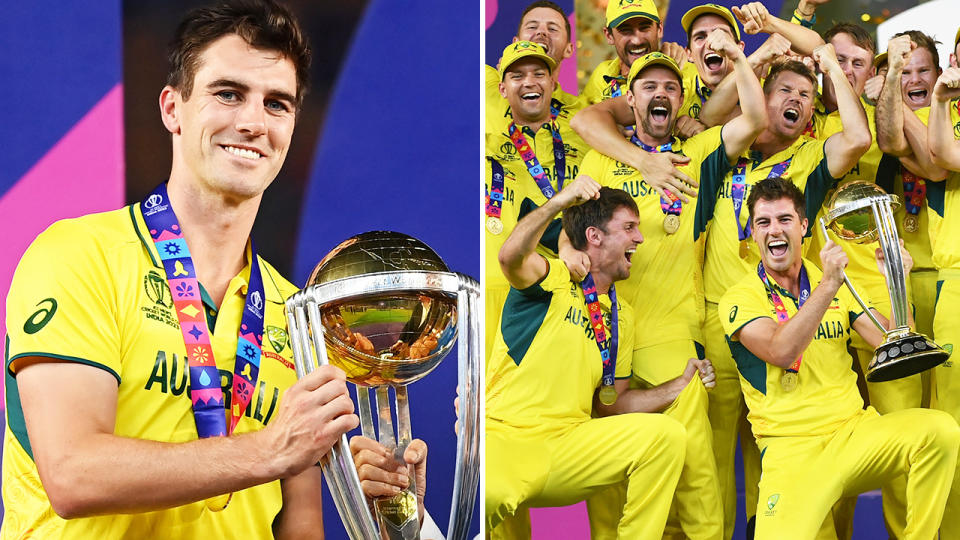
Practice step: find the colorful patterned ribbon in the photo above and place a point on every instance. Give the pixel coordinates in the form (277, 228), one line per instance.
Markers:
(778, 306)
(205, 392)
(914, 191)
(533, 164)
(608, 354)
(738, 190)
(670, 204)
(703, 92)
(615, 82)
(494, 197)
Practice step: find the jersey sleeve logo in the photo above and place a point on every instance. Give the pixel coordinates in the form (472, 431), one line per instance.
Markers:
(41, 317)
(733, 313)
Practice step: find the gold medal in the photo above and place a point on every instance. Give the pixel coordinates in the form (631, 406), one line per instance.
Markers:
(744, 249)
(608, 395)
(494, 225)
(789, 381)
(911, 224)
(671, 223)
(219, 503)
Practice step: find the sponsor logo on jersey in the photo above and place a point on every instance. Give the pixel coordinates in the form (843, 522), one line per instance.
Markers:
(40, 317)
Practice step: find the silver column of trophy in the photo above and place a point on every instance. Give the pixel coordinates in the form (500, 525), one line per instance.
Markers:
(862, 212)
(385, 308)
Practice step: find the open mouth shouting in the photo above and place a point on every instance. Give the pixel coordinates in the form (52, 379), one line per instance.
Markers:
(629, 255)
(659, 111)
(713, 62)
(777, 248)
(791, 115)
(918, 96)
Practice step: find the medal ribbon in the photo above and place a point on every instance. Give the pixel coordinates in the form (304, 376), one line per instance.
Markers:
(738, 190)
(781, 310)
(914, 191)
(703, 92)
(494, 197)
(615, 83)
(608, 356)
(205, 392)
(671, 203)
(533, 164)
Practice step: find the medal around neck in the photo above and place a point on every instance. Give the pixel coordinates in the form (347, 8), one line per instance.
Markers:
(608, 394)
(384, 308)
(862, 212)
(789, 381)
(911, 224)
(671, 223)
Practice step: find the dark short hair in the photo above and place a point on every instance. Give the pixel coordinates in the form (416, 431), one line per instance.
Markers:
(263, 24)
(793, 66)
(924, 41)
(856, 32)
(774, 189)
(594, 213)
(544, 4)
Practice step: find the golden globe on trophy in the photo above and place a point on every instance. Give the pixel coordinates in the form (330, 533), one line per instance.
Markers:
(862, 212)
(384, 308)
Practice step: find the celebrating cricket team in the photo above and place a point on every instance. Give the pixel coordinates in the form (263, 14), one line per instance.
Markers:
(703, 248)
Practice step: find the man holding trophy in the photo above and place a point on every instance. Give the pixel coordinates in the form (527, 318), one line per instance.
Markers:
(787, 324)
(105, 439)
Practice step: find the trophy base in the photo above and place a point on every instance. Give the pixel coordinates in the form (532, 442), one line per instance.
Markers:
(903, 356)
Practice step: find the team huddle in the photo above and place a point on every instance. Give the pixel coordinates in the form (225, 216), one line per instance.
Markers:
(656, 285)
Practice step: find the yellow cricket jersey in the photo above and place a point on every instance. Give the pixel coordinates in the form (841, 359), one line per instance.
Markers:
(600, 84)
(863, 266)
(497, 110)
(723, 265)
(546, 364)
(942, 219)
(521, 194)
(675, 259)
(826, 395)
(695, 93)
(93, 291)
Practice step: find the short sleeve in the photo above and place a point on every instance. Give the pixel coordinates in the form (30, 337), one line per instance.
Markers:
(558, 277)
(62, 301)
(740, 305)
(850, 304)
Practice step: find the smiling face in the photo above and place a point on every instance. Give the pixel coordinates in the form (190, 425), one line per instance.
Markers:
(546, 26)
(617, 244)
(634, 38)
(232, 135)
(655, 95)
(789, 104)
(527, 86)
(711, 66)
(919, 76)
(778, 231)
